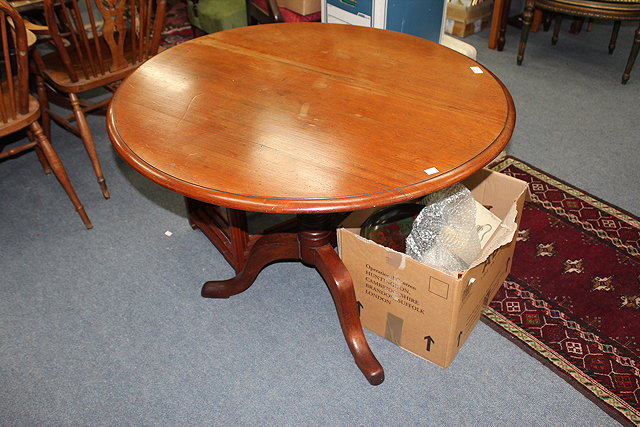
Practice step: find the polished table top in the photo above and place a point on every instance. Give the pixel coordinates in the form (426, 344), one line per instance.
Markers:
(309, 117)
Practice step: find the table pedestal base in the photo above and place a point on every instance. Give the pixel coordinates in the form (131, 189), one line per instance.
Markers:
(311, 243)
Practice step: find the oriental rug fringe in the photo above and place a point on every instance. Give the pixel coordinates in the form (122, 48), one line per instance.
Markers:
(572, 299)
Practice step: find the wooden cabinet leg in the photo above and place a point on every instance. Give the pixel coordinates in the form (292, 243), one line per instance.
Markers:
(504, 20)
(496, 21)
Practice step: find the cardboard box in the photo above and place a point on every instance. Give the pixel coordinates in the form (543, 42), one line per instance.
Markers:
(303, 7)
(461, 29)
(423, 309)
(465, 20)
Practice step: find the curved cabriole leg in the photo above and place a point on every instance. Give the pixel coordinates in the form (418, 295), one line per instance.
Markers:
(316, 249)
(341, 287)
(632, 56)
(313, 245)
(267, 249)
(43, 99)
(526, 26)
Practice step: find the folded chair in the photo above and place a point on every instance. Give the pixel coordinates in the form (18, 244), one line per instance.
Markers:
(96, 44)
(18, 109)
(615, 10)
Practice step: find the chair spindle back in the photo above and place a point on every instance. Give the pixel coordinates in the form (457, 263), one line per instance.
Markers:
(104, 36)
(14, 80)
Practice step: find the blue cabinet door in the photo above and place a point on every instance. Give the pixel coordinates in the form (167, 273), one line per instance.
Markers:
(422, 18)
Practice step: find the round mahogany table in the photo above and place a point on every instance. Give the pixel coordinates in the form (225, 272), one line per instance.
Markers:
(309, 119)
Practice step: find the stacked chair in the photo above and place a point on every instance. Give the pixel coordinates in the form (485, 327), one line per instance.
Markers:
(96, 43)
(19, 110)
(88, 48)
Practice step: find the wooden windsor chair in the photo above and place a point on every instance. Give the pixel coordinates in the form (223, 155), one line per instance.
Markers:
(96, 44)
(18, 109)
(616, 10)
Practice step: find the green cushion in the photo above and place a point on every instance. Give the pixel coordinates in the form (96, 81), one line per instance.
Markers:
(217, 15)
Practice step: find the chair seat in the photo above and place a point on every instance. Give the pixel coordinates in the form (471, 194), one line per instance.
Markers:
(56, 73)
(619, 10)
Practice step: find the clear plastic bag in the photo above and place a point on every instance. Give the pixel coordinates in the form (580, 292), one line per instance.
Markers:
(444, 234)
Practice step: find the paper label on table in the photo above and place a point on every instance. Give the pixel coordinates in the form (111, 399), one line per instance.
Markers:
(476, 70)
(431, 171)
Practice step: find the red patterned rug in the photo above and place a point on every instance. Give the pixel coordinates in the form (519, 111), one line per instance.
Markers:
(177, 28)
(573, 296)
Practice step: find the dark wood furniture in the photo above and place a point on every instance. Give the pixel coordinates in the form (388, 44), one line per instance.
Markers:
(26, 6)
(616, 10)
(18, 109)
(309, 119)
(263, 14)
(500, 19)
(498, 28)
(95, 49)
(32, 12)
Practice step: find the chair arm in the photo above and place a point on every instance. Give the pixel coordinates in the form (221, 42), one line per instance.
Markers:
(36, 29)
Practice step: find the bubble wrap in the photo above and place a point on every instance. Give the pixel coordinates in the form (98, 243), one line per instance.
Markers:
(444, 234)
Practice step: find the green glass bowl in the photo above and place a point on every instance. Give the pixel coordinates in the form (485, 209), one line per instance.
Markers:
(390, 226)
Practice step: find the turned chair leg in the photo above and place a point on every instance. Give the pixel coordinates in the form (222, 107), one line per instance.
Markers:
(58, 169)
(45, 119)
(632, 56)
(87, 139)
(546, 20)
(526, 27)
(43, 101)
(556, 29)
(614, 36)
(41, 156)
(576, 26)
(42, 159)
